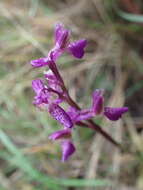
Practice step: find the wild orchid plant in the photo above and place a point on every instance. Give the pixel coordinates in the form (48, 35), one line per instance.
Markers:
(51, 93)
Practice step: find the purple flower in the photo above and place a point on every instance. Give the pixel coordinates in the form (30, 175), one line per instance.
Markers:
(42, 94)
(67, 149)
(53, 82)
(47, 94)
(60, 115)
(77, 48)
(114, 113)
(65, 133)
(43, 97)
(62, 44)
(96, 108)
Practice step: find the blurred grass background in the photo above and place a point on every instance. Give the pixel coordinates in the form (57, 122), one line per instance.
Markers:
(113, 61)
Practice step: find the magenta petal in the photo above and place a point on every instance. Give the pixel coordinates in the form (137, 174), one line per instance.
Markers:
(40, 62)
(55, 53)
(61, 36)
(37, 85)
(60, 134)
(79, 115)
(51, 78)
(60, 115)
(84, 115)
(77, 48)
(67, 149)
(73, 113)
(58, 28)
(114, 113)
(49, 75)
(62, 41)
(98, 100)
(42, 97)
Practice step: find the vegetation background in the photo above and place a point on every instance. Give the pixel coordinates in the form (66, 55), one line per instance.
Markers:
(113, 61)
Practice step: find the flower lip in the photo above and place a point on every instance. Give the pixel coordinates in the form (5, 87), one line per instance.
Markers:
(67, 149)
(115, 113)
(60, 115)
(77, 48)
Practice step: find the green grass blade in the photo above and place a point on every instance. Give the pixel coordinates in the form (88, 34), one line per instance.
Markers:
(130, 17)
(24, 163)
(85, 182)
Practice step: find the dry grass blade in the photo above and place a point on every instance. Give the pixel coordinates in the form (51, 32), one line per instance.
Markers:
(24, 34)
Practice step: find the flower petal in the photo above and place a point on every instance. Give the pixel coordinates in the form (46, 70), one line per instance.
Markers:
(44, 96)
(84, 115)
(61, 36)
(67, 149)
(77, 48)
(60, 134)
(40, 62)
(73, 113)
(98, 100)
(79, 115)
(37, 85)
(58, 28)
(53, 82)
(114, 113)
(60, 115)
(49, 75)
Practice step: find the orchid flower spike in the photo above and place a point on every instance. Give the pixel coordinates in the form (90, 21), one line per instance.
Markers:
(51, 93)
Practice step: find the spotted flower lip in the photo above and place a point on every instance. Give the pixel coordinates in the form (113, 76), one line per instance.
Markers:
(65, 133)
(67, 149)
(114, 113)
(60, 115)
